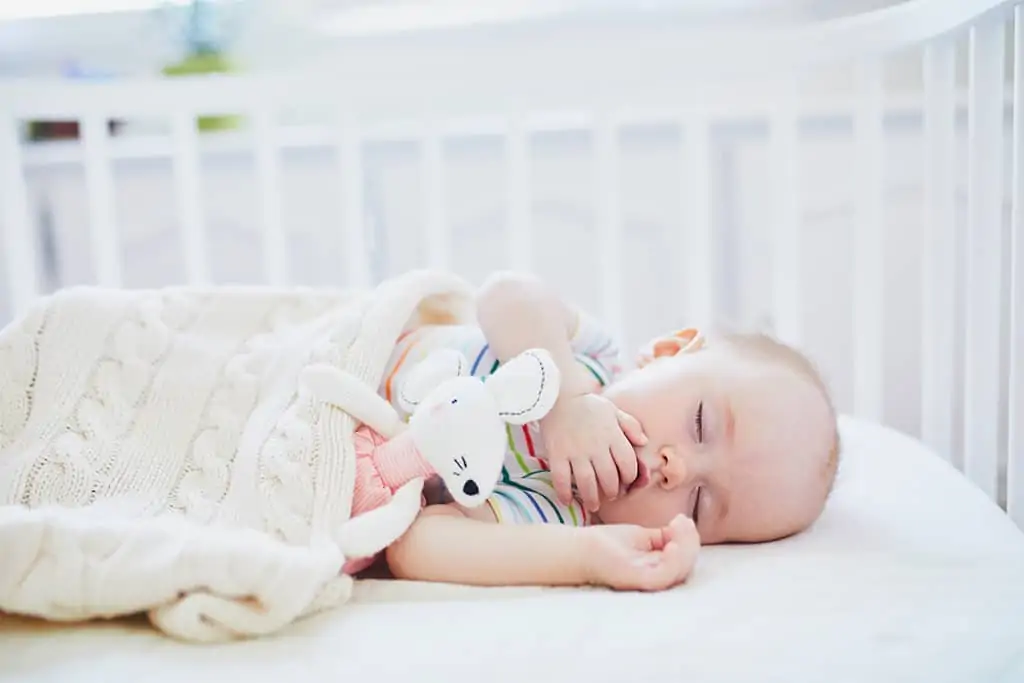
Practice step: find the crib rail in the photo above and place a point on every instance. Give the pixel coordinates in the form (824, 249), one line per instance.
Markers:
(19, 239)
(939, 300)
(421, 89)
(869, 249)
(1015, 393)
(982, 353)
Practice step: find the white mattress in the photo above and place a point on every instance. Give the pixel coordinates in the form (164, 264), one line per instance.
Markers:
(911, 575)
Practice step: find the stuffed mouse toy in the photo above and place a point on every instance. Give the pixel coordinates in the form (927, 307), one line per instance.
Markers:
(457, 430)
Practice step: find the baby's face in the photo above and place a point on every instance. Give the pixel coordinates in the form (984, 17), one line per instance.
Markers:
(737, 443)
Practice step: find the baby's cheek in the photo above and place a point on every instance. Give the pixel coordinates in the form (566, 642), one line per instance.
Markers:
(650, 509)
(667, 505)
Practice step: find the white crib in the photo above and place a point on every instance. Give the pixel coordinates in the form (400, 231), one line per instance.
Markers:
(857, 185)
(869, 110)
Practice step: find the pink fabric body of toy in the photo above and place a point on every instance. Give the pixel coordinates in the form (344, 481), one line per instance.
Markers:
(382, 467)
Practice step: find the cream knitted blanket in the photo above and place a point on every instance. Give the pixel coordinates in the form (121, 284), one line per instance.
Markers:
(157, 455)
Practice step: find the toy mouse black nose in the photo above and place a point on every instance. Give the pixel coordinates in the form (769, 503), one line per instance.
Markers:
(470, 488)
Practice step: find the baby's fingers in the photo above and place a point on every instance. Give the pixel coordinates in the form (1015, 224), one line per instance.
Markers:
(661, 569)
(607, 474)
(586, 483)
(631, 428)
(561, 477)
(683, 546)
(682, 530)
(625, 461)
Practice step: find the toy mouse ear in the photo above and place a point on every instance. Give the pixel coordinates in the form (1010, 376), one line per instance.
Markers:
(525, 387)
(427, 375)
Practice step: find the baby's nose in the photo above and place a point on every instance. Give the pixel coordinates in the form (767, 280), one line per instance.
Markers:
(674, 471)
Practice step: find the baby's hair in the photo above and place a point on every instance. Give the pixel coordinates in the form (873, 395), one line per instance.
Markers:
(770, 349)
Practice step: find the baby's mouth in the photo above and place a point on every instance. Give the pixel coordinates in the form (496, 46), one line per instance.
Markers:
(643, 477)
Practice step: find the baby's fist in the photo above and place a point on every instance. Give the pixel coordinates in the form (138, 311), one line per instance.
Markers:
(629, 557)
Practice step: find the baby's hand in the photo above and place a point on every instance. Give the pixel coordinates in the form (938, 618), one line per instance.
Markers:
(590, 441)
(628, 557)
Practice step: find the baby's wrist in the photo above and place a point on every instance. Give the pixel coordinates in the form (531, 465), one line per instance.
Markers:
(560, 407)
(582, 554)
(575, 379)
(560, 402)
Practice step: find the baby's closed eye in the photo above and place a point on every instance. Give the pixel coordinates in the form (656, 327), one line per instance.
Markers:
(698, 423)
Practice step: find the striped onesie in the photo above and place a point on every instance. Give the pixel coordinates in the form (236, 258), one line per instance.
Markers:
(525, 494)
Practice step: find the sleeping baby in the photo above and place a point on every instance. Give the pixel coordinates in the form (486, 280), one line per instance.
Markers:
(711, 439)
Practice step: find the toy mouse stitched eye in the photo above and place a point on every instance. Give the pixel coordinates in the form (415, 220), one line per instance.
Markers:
(454, 401)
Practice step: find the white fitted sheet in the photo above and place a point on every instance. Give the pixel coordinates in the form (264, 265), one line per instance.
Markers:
(910, 575)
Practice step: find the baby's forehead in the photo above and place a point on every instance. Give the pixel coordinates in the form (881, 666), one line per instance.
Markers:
(779, 413)
(745, 370)
(766, 356)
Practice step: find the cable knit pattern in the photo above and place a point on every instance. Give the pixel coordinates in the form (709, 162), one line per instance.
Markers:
(206, 475)
(19, 355)
(156, 454)
(287, 460)
(72, 468)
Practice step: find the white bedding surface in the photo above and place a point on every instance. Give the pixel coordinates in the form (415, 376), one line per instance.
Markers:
(911, 575)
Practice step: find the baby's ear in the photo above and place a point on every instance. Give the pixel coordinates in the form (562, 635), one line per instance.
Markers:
(526, 387)
(681, 341)
(427, 375)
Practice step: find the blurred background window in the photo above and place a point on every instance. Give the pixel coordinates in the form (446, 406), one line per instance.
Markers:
(42, 9)
(51, 37)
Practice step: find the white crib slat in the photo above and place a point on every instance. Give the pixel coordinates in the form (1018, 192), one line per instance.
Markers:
(1015, 461)
(357, 252)
(700, 256)
(984, 286)
(869, 299)
(18, 240)
(520, 199)
(99, 180)
(439, 244)
(938, 324)
(609, 223)
(187, 188)
(268, 181)
(786, 259)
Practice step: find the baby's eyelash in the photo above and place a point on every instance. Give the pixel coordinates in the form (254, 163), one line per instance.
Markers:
(699, 421)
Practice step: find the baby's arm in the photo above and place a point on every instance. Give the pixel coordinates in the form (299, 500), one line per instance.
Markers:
(588, 440)
(517, 312)
(447, 544)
